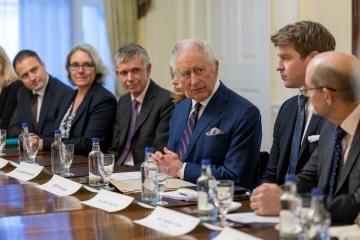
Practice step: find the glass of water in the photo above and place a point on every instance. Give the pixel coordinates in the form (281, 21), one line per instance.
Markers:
(2, 141)
(160, 182)
(68, 157)
(106, 167)
(223, 196)
(31, 146)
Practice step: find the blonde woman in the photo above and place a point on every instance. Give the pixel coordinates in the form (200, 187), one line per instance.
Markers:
(9, 86)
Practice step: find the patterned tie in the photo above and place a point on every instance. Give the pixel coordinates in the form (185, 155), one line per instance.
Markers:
(298, 130)
(134, 114)
(188, 131)
(337, 152)
(34, 106)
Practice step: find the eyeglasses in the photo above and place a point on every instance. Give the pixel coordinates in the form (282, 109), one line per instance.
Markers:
(306, 90)
(85, 66)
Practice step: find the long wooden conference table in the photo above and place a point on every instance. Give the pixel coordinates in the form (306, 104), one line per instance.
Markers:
(27, 212)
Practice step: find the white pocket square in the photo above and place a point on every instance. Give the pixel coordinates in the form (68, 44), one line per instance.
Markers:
(214, 132)
(313, 138)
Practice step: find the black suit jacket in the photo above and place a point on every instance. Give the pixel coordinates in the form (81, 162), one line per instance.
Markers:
(345, 204)
(94, 118)
(278, 164)
(8, 103)
(152, 124)
(53, 101)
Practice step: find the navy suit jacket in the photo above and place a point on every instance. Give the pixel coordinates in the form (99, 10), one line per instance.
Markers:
(345, 204)
(8, 102)
(235, 152)
(94, 118)
(151, 127)
(278, 164)
(53, 101)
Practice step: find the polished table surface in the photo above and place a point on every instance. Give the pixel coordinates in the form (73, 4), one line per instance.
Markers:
(27, 212)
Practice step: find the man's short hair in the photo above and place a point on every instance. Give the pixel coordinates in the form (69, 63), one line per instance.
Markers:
(131, 50)
(24, 54)
(305, 37)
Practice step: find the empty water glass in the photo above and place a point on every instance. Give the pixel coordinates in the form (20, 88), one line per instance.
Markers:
(223, 196)
(31, 146)
(68, 157)
(2, 141)
(160, 182)
(106, 167)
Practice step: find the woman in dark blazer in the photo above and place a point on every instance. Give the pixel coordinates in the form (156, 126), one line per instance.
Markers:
(9, 86)
(90, 110)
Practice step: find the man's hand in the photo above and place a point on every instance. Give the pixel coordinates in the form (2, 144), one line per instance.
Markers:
(265, 199)
(168, 159)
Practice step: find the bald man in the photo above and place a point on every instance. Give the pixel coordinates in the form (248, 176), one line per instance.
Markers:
(332, 85)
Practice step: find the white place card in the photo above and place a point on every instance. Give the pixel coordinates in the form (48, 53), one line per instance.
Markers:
(25, 171)
(109, 201)
(169, 222)
(61, 186)
(3, 162)
(251, 217)
(230, 233)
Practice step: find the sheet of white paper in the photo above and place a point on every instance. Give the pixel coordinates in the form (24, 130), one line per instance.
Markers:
(61, 186)
(126, 175)
(25, 171)
(176, 195)
(169, 222)
(251, 217)
(3, 162)
(109, 201)
(230, 233)
(347, 232)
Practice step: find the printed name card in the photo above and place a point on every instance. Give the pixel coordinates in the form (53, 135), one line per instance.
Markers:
(230, 233)
(25, 171)
(3, 162)
(109, 201)
(61, 186)
(169, 222)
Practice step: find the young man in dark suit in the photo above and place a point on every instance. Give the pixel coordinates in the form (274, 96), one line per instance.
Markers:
(333, 87)
(41, 98)
(296, 44)
(212, 123)
(142, 117)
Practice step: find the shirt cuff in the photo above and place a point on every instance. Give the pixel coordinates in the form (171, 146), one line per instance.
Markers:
(181, 171)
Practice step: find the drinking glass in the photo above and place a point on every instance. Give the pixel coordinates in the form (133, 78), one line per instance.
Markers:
(223, 197)
(68, 157)
(31, 146)
(160, 181)
(106, 167)
(2, 141)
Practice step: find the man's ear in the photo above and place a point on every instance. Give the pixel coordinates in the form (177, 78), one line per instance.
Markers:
(329, 96)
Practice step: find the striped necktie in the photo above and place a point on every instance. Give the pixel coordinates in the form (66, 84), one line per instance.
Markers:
(337, 155)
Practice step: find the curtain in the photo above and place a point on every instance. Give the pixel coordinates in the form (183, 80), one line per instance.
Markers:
(45, 27)
(121, 24)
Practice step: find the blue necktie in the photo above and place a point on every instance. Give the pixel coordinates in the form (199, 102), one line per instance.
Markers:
(298, 130)
(336, 158)
(188, 131)
(134, 114)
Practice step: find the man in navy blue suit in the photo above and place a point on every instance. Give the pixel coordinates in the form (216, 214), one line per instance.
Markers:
(41, 98)
(212, 123)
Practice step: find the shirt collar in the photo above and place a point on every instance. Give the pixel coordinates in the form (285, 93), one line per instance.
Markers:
(351, 122)
(140, 98)
(41, 92)
(207, 100)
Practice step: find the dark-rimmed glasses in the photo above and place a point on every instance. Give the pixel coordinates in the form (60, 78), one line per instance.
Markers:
(85, 66)
(305, 91)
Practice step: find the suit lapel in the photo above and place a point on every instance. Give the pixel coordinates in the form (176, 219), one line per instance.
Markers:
(46, 104)
(211, 112)
(352, 157)
(314, 122)
(125, 108)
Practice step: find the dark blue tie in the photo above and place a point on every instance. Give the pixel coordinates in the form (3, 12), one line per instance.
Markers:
(298, 130)
(188, 131)
(336, 158)
(134, 114)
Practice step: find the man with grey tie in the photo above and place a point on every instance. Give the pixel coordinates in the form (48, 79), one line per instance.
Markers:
(39, 101)
(142, 118)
